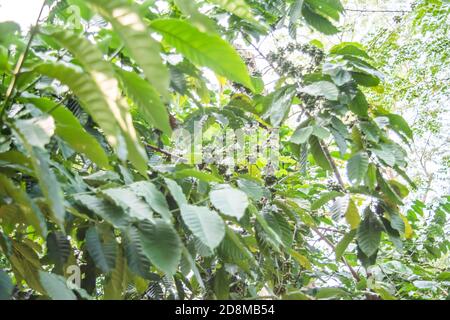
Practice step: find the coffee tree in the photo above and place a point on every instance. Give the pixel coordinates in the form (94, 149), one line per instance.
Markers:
(143, 156)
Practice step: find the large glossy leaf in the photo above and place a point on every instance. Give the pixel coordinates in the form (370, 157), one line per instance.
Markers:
(130, 202)
(357, 167)
(205, 224)
(104, 209)
(56, 287)
(324, 198)
(98, 100)
(369, 233)
(68, 128)
(317, 21)
(191, 9)
(34, 135)
(236, 7)
(161, 244)
(103, 254)
(322, 88)
(229, 201)
(277, 105)
(28, 207)
(147, 100)
(176, 191)
(135, 256)
(153, 197)
(344, 243)
(352, 214)
(318, 153)
(6, 286)
(203, 49)
(135, 34)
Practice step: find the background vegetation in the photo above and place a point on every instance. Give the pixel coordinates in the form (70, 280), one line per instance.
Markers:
(357, 207)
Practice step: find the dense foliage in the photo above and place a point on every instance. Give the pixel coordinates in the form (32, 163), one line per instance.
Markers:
(98, 200)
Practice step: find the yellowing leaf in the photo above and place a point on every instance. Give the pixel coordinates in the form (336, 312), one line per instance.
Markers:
(352, 215)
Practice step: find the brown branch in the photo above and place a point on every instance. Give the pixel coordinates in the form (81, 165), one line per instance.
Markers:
(331, 245)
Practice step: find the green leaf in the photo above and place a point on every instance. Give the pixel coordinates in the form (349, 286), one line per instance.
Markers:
(319, 154)
(385, 154)
(153, 197)
(352, 215)
(109, 102)
(70, 130)
(6, 286)
(97, 97)
(399, 124)
(301, 259)
(56, 286)
(390, 194)
(320, 132)
(204, 224)
(277, 105)
(229, 201)
(191, 10)
(350, 48)
(369, 233)
(147, 100)
(104, 255)
(127, 22)
(324, 198)
(301, 135)
(203, 49)
(134, 253)
(359, 104)
(176, 191)
(222, 284)
(130, 202)
(40, 161)
(357, 167)
(104, 209)
(31, 211)
(116, 282)
(317, 21)
(236, 7)
(344, 243)
(37, 130)
(322, 88)
(200, 175)
(161, 244)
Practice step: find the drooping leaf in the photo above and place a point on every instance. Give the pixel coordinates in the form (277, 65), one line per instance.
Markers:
(161, 244)
(134, 33)
(6, 286)
(203, 49)
(69, 129)
(318, 153)
(322, 88)
(352, 214)
(357, 167)
(130, 202)
(229, 201)
(56, 287)
(103, 254)
(344, 243)
(369, 233)
(176, 191)
(205, 224)
(153, 197)
(147, 100)
(237, 7)
(97, 97)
